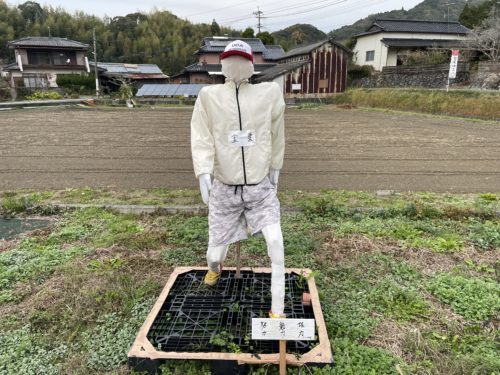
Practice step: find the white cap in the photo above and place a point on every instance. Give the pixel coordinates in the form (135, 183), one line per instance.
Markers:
(237, 47)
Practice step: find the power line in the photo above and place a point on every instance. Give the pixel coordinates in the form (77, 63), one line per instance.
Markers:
(341, 10)
(216, 10)
(309, 10)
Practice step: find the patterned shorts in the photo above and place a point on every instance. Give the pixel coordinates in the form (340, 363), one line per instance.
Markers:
(234, 212)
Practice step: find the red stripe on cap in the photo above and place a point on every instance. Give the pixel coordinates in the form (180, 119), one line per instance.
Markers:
(236, 52)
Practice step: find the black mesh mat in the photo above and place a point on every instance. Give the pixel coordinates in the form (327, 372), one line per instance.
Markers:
(197, 318)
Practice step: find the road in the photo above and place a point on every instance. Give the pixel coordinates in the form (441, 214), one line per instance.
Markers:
(326, 148)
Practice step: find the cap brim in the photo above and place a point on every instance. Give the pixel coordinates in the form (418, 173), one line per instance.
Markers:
(236, 52)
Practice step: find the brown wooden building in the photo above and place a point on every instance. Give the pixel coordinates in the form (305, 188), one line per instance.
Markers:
(313, 71)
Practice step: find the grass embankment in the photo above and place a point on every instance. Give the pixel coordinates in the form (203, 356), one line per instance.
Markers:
(483, 105)
(408, 283)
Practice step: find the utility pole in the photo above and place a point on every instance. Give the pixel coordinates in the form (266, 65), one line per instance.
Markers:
(95, 65)
(259, 14)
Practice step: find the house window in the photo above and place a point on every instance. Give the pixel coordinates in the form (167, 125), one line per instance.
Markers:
(35, 81)
(41, 57)
(370, 55)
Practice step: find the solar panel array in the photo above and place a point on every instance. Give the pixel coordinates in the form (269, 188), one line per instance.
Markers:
(129, 68)
(170, 90)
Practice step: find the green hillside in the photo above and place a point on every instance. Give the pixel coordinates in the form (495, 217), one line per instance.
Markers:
(297, 35)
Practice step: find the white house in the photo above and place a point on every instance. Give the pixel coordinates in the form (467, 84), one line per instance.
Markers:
(386, 40)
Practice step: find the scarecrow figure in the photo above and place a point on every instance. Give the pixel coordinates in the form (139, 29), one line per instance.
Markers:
(237, 145)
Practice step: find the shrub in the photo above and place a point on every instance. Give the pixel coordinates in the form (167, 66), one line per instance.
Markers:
(44, 95)
(359, 71)
(76, 80)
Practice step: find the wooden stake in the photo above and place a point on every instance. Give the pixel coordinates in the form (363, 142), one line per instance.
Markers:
(238, 260)
(282, 357)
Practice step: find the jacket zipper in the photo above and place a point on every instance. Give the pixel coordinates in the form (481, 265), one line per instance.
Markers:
(241, 128)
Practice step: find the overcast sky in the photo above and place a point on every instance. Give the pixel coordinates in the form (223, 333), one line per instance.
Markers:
(326, 15)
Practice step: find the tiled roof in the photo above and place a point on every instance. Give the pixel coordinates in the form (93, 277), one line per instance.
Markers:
(414, 26)
(218, 44)
(279, 70)
(197, 67)
(410, 43)
(273, 52)
(310, 47)
(48, 42)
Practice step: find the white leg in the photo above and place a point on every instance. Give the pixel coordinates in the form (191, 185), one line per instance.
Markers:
(215, 256)
(276, 251)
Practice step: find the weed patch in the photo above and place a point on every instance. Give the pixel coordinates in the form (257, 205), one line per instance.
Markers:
(353, 358)
(466, 350)
(30, 261)
(485, 235)
(108, 342)
(25, 352)
(476, 299)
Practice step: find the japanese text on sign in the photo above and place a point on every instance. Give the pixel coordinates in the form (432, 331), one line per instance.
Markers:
(283, 329)
(453, 63)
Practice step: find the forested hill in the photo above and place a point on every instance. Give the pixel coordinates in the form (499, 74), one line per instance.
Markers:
(158, 37)
(297, 35)
(427, 10)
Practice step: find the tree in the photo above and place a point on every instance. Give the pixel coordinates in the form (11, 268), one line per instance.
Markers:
(214, 28)
(298, 37)
(32, 11)
(473, 16)
(248, 33)
(265, 37)
(486, 38)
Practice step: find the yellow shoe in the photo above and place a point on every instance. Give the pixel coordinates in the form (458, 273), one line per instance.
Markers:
(276, 316)
(211, 278)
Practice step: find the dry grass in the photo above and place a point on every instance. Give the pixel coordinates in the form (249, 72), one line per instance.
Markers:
(456, 103)
(79, 295)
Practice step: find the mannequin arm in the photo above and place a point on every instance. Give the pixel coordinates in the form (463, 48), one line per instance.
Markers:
(274, 175)
(205, 186)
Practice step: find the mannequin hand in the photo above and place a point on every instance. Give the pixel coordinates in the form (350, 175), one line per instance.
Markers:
(205, 187)
(274, 176)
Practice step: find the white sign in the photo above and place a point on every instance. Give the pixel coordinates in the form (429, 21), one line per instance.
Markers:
(296, 86)
(242, 138)
(453, 63)
(283, 329)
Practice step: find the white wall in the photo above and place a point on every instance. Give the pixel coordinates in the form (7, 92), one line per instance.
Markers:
(384, 57)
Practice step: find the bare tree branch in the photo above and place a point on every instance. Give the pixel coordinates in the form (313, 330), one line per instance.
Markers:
(486, 38)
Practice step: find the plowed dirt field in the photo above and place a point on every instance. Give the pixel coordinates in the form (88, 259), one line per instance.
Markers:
(56, 148)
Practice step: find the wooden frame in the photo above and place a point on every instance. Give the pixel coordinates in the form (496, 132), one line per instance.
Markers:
(142, 349)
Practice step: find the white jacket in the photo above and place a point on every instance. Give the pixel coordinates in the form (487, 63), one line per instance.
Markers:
(237, 133)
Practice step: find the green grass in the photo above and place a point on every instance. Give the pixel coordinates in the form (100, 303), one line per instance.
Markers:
(477, 299)
(454, 103)
(418, 269)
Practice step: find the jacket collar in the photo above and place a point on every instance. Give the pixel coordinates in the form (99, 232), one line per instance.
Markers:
(230, 83)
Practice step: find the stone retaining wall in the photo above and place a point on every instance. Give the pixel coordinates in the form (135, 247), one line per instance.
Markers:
(487, 76)
(428, 76)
